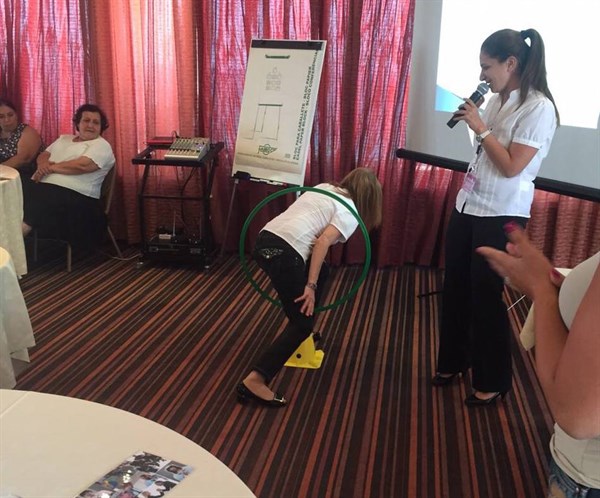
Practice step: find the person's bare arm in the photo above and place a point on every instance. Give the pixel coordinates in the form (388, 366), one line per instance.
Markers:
(27, 148)
(509, 161)
(77, 166)
(568, 364)
(329, 237)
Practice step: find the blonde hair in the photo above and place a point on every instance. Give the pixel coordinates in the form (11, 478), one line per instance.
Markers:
(365, 190)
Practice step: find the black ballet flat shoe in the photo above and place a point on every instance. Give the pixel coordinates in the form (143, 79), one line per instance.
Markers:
(439, 380)
(473, 400)
(244, 394)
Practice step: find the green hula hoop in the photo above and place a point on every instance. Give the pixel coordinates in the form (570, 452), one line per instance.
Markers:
(290, 190)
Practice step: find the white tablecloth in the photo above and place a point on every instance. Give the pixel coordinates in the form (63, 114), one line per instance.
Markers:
(53, 446)
(11, 211)
(16, 334)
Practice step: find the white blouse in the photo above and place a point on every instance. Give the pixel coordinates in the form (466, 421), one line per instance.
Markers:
(301, 224)
(533, 123)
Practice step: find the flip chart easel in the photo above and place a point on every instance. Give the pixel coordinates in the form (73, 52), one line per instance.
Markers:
(277, 113)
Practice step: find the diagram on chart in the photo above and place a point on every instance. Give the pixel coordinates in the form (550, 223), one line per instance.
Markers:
(268, 112)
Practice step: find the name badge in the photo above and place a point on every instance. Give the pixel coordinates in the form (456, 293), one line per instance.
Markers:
(469, 183)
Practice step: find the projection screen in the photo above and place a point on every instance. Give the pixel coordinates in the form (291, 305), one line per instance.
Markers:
(445, 68)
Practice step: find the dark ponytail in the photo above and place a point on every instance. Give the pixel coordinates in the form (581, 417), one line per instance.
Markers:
(530, 56)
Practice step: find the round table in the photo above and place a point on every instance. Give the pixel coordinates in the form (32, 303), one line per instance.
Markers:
(16, 334)
(11, 210)
(54, 446)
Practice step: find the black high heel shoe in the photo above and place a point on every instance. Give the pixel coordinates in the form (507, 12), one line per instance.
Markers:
(440, 380)
(473, 400)
(244, 394)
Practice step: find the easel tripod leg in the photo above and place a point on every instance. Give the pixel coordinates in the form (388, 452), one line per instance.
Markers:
(235, 184)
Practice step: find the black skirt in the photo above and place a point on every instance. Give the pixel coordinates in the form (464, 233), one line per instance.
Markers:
(61, 213)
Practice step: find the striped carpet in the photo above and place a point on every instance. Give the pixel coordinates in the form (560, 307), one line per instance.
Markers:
(170, 343)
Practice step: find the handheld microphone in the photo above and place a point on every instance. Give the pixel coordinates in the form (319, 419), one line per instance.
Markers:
(476, 96)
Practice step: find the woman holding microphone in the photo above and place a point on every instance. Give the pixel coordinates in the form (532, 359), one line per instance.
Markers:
(513, 136)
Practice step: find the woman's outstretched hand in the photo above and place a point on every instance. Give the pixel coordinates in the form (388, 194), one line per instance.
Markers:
(308, 306)
(522, 266)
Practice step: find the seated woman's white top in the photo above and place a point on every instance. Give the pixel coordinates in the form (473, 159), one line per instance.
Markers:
(65, 149)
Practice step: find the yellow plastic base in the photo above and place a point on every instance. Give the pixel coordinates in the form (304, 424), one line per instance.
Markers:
(306, 356)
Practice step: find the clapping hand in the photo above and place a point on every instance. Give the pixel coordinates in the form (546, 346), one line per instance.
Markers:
(523, 266)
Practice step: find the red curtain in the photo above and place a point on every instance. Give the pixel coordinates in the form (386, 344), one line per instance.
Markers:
(144, 67)
(179, 65)
(42, 62)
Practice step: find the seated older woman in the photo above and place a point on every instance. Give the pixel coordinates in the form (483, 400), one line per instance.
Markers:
(19, 143)
(62, 201)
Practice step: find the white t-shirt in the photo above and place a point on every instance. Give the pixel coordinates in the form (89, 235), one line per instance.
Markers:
(98, 150)
(303, 222)
(533, 124)
(579, 458)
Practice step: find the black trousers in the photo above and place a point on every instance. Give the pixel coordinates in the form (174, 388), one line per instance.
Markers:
(288, 273)
(62, 213)
(474, 330)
